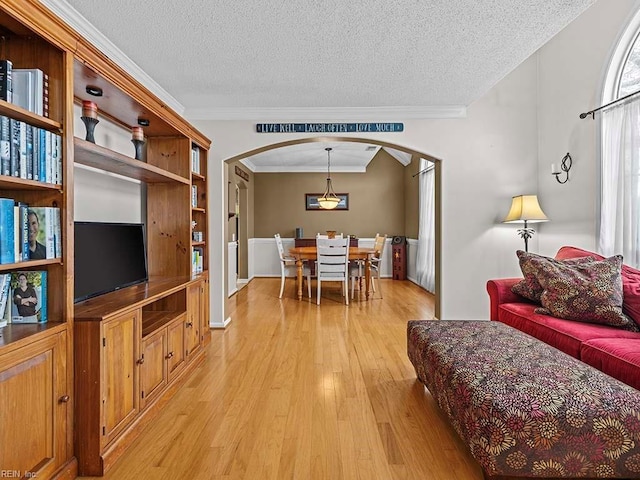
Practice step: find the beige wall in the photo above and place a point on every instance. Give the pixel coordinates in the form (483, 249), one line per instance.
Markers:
(412, 198)
(376, 201)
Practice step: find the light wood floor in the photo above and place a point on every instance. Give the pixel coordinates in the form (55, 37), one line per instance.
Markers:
(290, 390)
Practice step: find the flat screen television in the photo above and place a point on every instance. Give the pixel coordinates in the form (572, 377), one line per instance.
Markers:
(108, 256)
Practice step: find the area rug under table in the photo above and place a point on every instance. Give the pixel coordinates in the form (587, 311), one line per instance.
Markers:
(525, 408)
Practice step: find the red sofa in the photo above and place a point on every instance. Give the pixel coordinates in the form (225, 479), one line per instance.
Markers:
(611, 350)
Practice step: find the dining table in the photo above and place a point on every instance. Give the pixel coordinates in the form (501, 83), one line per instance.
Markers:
(310, 253)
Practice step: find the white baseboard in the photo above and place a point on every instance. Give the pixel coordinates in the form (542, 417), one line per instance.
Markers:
(220, 325)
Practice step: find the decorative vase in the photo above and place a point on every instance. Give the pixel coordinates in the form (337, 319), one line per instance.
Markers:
(138, 146)
(90, 123)
(137, 138)
(89, 118)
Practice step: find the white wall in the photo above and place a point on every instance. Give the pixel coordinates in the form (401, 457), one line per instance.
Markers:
(504, 147)
(571, 69)
(487, 157)
(102, 196)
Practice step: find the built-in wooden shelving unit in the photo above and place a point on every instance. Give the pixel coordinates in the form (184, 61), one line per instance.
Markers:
(80, 387)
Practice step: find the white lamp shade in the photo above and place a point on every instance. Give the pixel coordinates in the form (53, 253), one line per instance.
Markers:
(525, 208)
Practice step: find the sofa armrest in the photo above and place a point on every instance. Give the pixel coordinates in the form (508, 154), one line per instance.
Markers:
(500, 292)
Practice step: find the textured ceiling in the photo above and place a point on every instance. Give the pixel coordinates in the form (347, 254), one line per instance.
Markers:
(218, 58)
(333, 60)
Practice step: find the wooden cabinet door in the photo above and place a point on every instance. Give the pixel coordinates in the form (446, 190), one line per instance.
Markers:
(175, 347)
(120, 373)
(33, 408)
(192, 324)
(153, 366)
(205, 334)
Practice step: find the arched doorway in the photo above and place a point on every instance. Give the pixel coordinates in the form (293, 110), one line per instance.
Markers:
(413, 154)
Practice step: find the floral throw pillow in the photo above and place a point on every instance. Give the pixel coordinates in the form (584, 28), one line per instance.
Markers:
(586, 292)
(529, 287)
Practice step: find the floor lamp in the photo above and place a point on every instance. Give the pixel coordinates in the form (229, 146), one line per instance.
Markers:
(525, 209)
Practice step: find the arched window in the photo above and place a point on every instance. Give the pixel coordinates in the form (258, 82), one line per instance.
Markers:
(630, 76)
(619, 225)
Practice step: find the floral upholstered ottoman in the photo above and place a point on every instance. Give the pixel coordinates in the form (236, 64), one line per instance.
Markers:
(524, 408)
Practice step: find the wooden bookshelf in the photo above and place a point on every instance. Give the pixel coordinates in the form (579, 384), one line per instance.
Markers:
(29, 264)
(199, 212)
(12, 334)
(100, 369)
(19, 113)
(92, 155)
(38, 358)
(14, 183)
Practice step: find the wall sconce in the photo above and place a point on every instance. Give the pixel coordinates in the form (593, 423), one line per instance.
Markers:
(565, 166)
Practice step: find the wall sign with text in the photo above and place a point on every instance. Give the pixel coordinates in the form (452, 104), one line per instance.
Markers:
(242, 174)
(379, 127)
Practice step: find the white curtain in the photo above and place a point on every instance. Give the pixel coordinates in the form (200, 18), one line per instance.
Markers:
(620, 194)
(425, 260)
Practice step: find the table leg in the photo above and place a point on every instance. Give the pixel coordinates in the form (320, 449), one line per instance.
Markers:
(299, 268)
(367, 275)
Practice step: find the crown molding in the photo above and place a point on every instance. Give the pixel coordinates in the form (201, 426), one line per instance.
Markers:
(81, 25)
(255, 168)
(326, 113)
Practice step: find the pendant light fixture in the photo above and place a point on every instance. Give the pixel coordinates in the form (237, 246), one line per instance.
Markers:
(329, 200)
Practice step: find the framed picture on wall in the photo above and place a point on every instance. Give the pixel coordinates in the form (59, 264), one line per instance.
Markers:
(311, 201)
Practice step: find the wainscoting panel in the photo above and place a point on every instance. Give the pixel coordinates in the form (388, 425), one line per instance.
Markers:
(250, 257)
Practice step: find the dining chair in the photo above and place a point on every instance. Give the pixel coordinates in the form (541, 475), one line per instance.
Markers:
(333, 263)
(288, 265)
(356, 272)
(376, 261)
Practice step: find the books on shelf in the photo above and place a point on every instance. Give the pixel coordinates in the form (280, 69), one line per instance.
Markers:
(28, 233)
(195, 159)
(194, 196)
(5, 283)
(6, 74)
(21, 231)
(28, 297)
(44, 233)
(29, 152)
(5, 145)
(197, 260)
(31, 90)
(7, 231)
